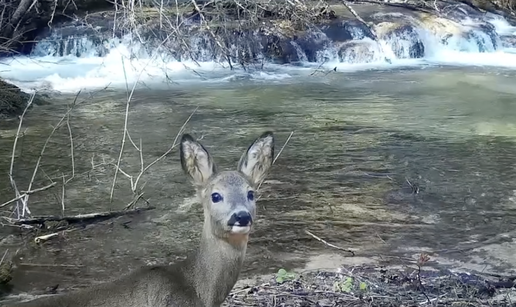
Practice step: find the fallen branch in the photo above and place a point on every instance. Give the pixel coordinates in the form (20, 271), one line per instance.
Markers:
(78, 218)
(44, 238)
(329, 244)
(350, 224)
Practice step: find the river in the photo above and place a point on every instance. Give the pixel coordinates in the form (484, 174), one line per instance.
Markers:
(385, 162)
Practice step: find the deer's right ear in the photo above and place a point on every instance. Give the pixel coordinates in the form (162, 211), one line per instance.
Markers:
(195, 160)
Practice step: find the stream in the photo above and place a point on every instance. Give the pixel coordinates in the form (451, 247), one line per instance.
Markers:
(388, 163)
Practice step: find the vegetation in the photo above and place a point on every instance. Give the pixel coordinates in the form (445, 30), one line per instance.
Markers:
(369, 285)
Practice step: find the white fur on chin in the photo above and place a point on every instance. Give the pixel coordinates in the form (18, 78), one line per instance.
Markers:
(240, 229)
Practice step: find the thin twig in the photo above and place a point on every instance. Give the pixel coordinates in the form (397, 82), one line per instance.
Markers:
(174, 145)
(277, 156)
(283, 147)
(329, 244)
(22, 195)
(11, 178)
(126, 133)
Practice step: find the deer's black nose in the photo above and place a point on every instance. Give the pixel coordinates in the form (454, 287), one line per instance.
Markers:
(241, 218)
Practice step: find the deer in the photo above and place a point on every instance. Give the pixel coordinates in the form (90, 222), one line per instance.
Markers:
(208, 274)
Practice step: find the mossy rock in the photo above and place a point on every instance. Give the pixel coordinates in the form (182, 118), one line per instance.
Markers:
(13, 100)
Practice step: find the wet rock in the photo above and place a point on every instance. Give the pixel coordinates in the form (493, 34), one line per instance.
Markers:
(461, 11)
(280, 50)
(355, 52)
(280, 41)
(489, 30)
(13, 100)
(312, 43)
(508, 41)
(404, 39)
(438, 26)
(17, 36)
(342, 31)
(483, 41)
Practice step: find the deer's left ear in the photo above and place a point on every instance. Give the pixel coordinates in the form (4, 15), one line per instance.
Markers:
(257, 160)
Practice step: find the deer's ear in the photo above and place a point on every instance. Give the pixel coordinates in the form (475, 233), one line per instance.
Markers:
(257, 160)
(196, 161)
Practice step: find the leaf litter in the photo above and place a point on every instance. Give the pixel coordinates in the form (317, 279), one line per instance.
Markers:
(368, 285)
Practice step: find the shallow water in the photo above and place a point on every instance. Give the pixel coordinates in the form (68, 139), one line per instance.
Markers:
(385, 162)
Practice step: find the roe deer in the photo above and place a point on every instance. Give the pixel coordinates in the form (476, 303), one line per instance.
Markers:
(207, 275)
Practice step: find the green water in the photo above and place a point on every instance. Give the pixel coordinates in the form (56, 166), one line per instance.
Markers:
(359, 138)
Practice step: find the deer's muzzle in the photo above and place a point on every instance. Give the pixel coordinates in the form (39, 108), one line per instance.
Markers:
(241, 218)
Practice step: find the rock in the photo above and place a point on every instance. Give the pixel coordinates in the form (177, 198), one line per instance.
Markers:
(403, 38)
(508, 41)
(13, 100)
(346, 30)
(438, 26)
(355, 52)
(40, 15)
(312, 43)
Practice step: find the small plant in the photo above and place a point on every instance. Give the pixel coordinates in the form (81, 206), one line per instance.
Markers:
(283, 276)
(363, 286)
(421, 261)
(347, 285)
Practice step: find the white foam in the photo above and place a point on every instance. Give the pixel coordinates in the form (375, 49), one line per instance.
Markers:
(495, 59)
(501, 25)
(120, 68)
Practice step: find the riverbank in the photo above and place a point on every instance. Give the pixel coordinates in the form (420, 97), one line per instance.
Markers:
(363, 285)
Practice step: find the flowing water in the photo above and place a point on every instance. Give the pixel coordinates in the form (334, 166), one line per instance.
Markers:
(388, 162)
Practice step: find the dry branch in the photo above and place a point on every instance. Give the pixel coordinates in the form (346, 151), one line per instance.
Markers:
(80, 218)
(329, 244)
(47, 237)
(25, 193)
(19, 197)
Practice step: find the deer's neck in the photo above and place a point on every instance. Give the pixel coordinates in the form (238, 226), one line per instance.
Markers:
(217, 266)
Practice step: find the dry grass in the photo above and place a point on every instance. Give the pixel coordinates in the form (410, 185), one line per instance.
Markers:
(375, 286)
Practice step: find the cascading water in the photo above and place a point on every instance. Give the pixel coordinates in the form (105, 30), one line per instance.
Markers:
(76, 56)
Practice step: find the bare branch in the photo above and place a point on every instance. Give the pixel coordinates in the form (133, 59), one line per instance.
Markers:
(26, 193)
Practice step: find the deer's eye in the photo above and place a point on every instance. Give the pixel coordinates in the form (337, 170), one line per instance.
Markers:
(216, 197)
(250, 195)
